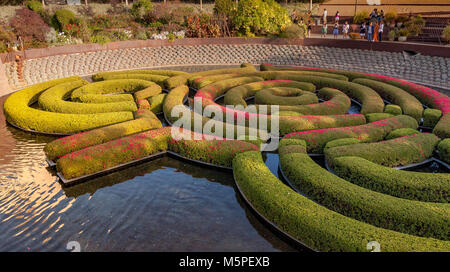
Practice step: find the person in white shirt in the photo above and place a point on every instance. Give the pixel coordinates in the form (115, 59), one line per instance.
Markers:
(345, 30)
(325, 13)
(380, 31)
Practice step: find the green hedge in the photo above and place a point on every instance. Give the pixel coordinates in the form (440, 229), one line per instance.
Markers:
(408, 103)
(95, 92)
(393, 109)
(401, 132)
(218, 152)
(431, 117)
(62, 146)
(341, 142)
(54, 100)
(444, 150)
(285, 96)
(237, 95)
(19, 113)
(315, 225)
(442, 128)
(336, 103)
(395, 152)
(158, 79)
(156, 102)
(431, 187)
(371, 132)
(369, 99)
(199, 82)
(100, 157)
(290, 124)
(167, 73)
(179, 80)
(175, 99)
(385, 211)
(143, 104)
(373, 117)
(150, 91)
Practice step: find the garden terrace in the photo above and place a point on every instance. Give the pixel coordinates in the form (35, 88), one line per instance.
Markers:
(359, 198)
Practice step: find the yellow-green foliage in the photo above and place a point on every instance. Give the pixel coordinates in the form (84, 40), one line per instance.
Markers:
(431, 117)
(311, 223)
(284, 96)
(150, 91)
(62, 146)
(158, 79)
(444, 150)
(167, 73)
(101, 92)
(156, 102)
(393, 109)
(201, 81)
(19, 113)
(53, 99)
(373, 117)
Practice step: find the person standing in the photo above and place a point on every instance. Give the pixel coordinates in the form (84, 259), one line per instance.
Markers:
(294, 16)
(336, 17)
(370, 32)
(325, 14)
(380, 31)
(345, 30)
(362, 30)
(336, 30)
(324, 30)
(308, 29)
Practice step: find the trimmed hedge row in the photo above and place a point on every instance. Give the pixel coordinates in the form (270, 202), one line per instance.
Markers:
(179, 80)
(336, 103)
(174, 102)
(427, 96)
(444, 150)
(218, 152)
(65, 145)
(393, 109)
(150, 91)
(167, 73)
(311, 223)
(53, 99)
(373, 117)
(385, 211)
(408, 103)
(199, 82)
(401, 132)
(341, 142)
(148, 77)
(433, 187)
(285, 96)
(237, 95)
(95, 92)
(395, 152)
(156, 102)
(371, 132)
(431, 117)
(100, 157)
(19, 113)
(369, 99)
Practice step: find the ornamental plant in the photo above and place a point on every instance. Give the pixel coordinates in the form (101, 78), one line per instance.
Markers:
(258, 17)
(29, 25)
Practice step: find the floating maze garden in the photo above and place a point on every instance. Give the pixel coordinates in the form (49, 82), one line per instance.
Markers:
(360, 194)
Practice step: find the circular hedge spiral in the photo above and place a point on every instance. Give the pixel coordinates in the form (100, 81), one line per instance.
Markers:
(359, 197)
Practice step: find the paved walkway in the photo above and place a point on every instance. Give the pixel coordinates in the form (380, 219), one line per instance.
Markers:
(429, 70)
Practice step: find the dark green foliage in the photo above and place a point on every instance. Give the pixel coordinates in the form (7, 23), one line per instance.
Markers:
(373, 117)
(393, 109)
(341, 142)
(401, 132)
(444, 150)
(431, 117)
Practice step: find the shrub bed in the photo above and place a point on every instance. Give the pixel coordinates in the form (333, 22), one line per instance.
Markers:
(395, 152)
(393, 109)
(408, 103)
(95, 92)
(156, 102)
(100, 157)
(401, 132)
(385, 211)
(158, 79)
(311, 223)
(284, 96)
(433, 187)
(150, 91)
(19, 113)
(373, 117)
(431, 117)
(53, 99)
(168, 73)
(444, 150)
(371, 132)
(199, 82)
(369, 99)
(179, 80)
(237, 95)
(341, 142)
(218, 152)
(65, 145)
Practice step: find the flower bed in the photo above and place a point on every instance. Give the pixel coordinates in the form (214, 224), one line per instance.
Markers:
(311, 223)
(430, 187)
(385, 211)
(395, 152)
(371, 132)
